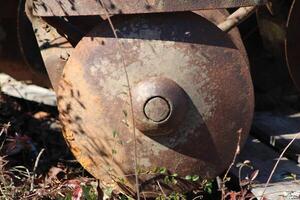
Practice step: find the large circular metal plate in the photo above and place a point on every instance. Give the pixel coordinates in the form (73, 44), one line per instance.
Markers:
(292, 43)
(191, 91)
(218, 16)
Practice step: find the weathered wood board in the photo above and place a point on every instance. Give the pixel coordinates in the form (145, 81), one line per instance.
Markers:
(34, 93)
(279, 191)
(263, 158)
(278, 130)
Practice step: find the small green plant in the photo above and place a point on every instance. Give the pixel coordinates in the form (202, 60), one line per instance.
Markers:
(207, 186)
(89, 193)
(192, 178)
(172, 196)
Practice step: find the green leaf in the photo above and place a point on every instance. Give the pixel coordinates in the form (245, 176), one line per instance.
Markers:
(125, 113)
(115, 133)
(173, 180)
(108, 191)
(162, 170)
(113, 151)
(188, 177)
(68, 197)
(195, 178)
(167, 180)
(208, 187)
(123, 197)
(208, 190)
(89, 193)
(122, 180)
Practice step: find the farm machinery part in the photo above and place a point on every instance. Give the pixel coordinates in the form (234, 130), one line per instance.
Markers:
(179, 100)
(292, 43)
(11, 54)
(277, 23)
(186, 116)
(147, 85)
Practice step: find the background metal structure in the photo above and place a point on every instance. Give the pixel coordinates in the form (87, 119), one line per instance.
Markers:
(292, 43)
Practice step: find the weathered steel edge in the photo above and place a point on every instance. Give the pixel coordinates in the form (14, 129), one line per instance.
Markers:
(91, 7)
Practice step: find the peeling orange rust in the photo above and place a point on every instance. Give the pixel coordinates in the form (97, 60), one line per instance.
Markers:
(203, 85)
(53, 47)
(92, 7)
(83, 160)
(76, 151)
(69, 135)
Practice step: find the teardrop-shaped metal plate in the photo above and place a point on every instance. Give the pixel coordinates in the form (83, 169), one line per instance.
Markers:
(186, 76)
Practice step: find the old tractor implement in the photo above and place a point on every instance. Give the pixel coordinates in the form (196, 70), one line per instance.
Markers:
(144, 85)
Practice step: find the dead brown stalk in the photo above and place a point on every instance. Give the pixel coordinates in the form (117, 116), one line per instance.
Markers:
(34, 168)
(130, 99)
(236, 18)
(237, 151)
(276, 164)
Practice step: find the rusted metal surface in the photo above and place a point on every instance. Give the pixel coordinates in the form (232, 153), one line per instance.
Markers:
(55, 49)
(159, 105)
(185, 48)
(28, 43)
(56, 38)
(218, 16)
(92, 7)
(292, 43)
(11, 60)
(157, 109)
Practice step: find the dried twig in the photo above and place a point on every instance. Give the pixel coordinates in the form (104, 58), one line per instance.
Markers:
(130, 99)
(4, 130)
(236, 18)
(165, 196)
(276, 164)
(3, 162)
(237, 151)
(34, 168)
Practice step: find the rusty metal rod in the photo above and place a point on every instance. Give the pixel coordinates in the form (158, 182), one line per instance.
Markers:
(236, 18)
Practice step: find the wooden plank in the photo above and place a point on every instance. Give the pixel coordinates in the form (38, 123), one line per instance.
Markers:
(263, 158)
(279, 191)
(278, 130)
(14, 88)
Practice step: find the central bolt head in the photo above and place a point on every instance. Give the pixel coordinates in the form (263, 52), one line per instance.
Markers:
(159, 105)
(157, 109)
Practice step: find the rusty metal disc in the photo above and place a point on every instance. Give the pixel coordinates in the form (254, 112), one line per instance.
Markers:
(218, 16)
(292, 43)
(191, 93)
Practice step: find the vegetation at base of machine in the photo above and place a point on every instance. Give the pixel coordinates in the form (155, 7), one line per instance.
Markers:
(26, 129)
(28, 172)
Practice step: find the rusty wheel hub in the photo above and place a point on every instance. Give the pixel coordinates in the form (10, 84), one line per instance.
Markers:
(159, 105)
(191, 94)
